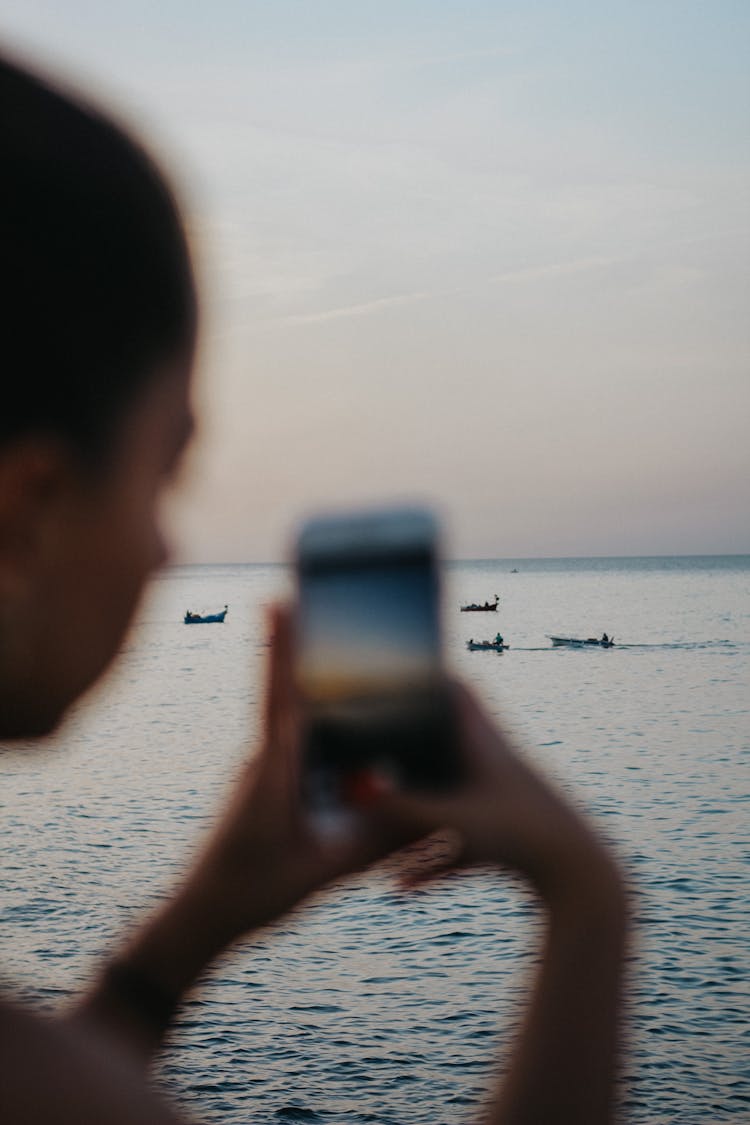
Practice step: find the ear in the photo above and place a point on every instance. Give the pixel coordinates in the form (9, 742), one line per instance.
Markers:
(36, 475)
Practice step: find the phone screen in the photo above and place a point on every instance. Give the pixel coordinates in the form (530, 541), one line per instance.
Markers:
(367, 630)
(369, 666)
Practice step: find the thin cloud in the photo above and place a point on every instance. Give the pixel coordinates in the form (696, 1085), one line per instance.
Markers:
(554, 269)
(364, 308)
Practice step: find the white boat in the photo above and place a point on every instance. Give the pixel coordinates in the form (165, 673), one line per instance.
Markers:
(601, 642)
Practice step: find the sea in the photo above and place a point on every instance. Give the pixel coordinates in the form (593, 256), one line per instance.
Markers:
(374, 1005)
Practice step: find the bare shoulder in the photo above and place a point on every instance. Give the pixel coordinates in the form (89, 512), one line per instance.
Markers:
(52, 1070)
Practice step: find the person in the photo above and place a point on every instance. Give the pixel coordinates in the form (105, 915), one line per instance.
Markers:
(100, 321)
(498, 638)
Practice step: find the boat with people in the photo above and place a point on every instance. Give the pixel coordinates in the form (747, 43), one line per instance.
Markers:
(205, 618)
(476, 607)
(578, 642)
(498, 645)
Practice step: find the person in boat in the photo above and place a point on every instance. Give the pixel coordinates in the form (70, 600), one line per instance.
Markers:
(605, 639)
(98, 346)
(498, 639)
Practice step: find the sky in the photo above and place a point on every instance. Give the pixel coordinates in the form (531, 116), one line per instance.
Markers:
(492, 257)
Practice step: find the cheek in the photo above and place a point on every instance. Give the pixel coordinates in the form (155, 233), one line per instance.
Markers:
(92, 605)
(131, 547)
(129, 558)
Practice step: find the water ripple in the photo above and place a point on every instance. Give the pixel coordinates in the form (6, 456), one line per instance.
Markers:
(373, 1007)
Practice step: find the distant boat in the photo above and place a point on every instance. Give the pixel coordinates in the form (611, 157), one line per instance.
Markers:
(486, 646)
(206, 618)
(514, 570)
(488, 607)
(601, 642)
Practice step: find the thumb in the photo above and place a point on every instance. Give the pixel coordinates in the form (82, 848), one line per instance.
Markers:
(431, 858)
(423, 822)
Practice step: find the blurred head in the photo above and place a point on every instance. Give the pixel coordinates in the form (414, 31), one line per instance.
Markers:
(98, 317)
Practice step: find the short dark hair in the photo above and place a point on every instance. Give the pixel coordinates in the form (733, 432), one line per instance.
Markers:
(96, 284)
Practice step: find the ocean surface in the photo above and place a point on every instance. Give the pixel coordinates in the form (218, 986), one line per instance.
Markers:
(373, 1006)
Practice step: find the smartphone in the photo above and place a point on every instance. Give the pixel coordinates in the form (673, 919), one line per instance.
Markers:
(368, 655)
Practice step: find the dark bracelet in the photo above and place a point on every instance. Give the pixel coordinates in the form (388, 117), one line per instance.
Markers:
(145, 997)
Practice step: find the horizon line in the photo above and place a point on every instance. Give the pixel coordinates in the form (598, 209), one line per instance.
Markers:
(489, 558)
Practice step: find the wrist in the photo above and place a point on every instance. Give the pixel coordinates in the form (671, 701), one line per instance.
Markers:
(220, 902)
(130, 1003)
(142, 996)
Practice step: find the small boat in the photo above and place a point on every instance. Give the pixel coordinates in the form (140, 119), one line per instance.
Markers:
(488, 607)
(498, 645)
(600, 642)
(206, 618)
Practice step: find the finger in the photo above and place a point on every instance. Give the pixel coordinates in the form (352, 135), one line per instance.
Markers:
(281, 703)
(381, 821)
(432, 859)
(282, 737)
(408, 815)
(416, 880)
